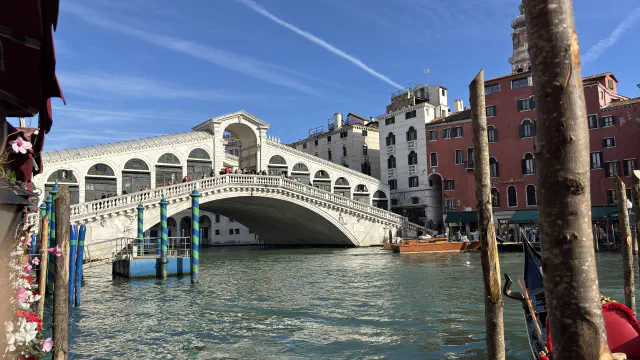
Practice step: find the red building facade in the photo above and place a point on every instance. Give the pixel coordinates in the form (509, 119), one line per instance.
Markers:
(613, 120)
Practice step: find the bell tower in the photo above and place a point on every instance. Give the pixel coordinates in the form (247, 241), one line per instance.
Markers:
(520, 59)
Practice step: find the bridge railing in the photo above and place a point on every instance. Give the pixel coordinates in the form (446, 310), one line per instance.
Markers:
(127, 247)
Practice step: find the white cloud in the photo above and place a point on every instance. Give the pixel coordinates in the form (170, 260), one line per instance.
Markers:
(220, 57)
(598, 49)
(316, 40)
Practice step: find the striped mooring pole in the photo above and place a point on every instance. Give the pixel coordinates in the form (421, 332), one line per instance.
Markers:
(52, 241)
(141, 228)
(73, 248)
(79, 261)
(164, 246)
(43, 237)
(195, 233)
(32, 248)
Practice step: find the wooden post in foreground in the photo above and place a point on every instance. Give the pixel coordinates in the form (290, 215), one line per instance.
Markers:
(44, 261)
(61, 289)
(625, 241)
(562, 153)
(596, 237)
(493, 300)
(636, 206)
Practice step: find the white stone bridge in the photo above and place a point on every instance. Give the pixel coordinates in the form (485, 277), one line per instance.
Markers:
(327, 204)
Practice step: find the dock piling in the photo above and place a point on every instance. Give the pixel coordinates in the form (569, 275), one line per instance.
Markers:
(44, 262)
(141, 228)
(73, 247)
(80, 262)
(164, 245)
(195, 234)
(625, 242)
(61, 289)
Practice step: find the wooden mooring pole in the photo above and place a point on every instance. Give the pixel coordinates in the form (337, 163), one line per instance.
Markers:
(562, 152)
(625, 241)
(44, 262)
(61, 275)
(636, 207)
(493, 300)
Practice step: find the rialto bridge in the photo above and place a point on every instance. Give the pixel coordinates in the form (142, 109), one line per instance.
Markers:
(324, 204)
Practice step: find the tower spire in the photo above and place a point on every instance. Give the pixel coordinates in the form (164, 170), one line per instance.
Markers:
(520, 59)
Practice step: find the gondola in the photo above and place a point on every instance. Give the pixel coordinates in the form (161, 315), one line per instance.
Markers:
(623, 329)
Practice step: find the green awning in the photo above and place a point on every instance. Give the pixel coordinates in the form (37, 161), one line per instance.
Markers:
(603, 212)
(524, 217)
(461, 217)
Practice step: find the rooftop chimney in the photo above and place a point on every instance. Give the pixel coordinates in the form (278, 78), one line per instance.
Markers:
(337, 117)
(458, 106)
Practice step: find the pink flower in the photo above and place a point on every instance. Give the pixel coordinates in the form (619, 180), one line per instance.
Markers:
(35, 261)
(47, 345)
(19, 145)
(56, 250)
(27, 268)
(22, 294)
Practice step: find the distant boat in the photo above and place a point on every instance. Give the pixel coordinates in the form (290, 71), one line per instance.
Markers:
(434, 245)
(623, 330)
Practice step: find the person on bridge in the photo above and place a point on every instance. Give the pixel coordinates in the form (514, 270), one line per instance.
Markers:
(212, 173)
(226, 170)
(170, 182)
(184, 179)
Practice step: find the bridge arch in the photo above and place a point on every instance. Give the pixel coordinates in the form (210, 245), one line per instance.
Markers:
(361, 194)
(100, 181)
(136, 173)
(322, 180)
(248, 138)
(65, 176)
(278, 165)
(168, 168)
(300, 171)
(342, 187)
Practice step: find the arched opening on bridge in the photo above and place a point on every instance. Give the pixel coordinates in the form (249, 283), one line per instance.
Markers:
(64, 177)
(277, 165)
(135, 175)
(433, 210)
(380, 200)
(185, 227)
(300, 171)
(361, 194)
(205, 227)
(198, 164)
(321, 180)
(172, 227)
(342, 187)
(246, 141)
(168, 169)
(101, 182)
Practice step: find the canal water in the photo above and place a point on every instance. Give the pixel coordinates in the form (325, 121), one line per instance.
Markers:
(256, 303)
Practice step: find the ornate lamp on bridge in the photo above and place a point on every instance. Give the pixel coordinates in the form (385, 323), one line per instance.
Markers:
(195, 233)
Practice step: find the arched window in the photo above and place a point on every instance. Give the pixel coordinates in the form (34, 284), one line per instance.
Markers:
(342, 187)
(412, 134)
(300, 167)
(512, 196)
(527, 129)
(492, 133)
(100, 182)
(495, 198)
(413, 158)
(168, 170)
(362, 188)
(277, 160)
(415, 200)
(66, 177)
(169, 158)
(136, 164)
(277, 165)
(528, 165)
(135, 176)
(493, 167)
(365, 149)
(198, 164)
(101, 170)
(391, 139)
(391, 162)
(199, 154)
(531, 196)
(344, 150)
(380, 200)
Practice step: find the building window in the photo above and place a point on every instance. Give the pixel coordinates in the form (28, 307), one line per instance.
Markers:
(526, 104)
(611, 169)
(609, 142)
(391, 162)
(317, 154)
(492, 89)
(344, 134)
(449, 185)
(491, 110)
(531, 196)
(344, 150)
(493, 167)
(390, 120)
(304, 145)
(629, 165)
(492, 133)
(410, 114)
(450, 204)
(610, 83)
(528, 164)
(365, 132)
(446, 133)
(329, 154)
(611, 197)
(412, 134)
(217, 218)
(434, 159)
(470, 158)
(230, 231)
(444, 92)
(519, 83)
(315, 142)
(391, 139)
(366, 168)
(495, 198)
(459, 157)
(365, 149)
(415, 200)
(527, 129)
(413, 158)
(607, 121)
(512, 196)
(237, 231)
(329, 138)
(394, 202)
(433, 135)
(596, 160)
(393, 184)
(413, 181)
(457, 132)
(593, 121)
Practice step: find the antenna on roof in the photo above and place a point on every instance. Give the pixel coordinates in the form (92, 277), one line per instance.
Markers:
(426, 73)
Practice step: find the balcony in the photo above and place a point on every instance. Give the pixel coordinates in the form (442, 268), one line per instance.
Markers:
(413, 169)
(411, 145)
(392, 172)
(391, 149)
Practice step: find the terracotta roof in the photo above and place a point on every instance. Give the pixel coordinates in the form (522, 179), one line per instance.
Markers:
(507, 76)
(587, 79)
(358, 116)
(617, 104)
(599, 76)
(459, 116)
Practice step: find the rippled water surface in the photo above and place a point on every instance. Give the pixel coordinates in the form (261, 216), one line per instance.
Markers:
(255, 303)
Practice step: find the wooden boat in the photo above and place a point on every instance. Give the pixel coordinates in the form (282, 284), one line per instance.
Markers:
(623, 330)
(434, 245)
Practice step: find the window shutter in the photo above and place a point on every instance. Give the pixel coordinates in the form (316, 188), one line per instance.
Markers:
(519, 105)
(606, 170)
(521, 131)
(497, 169)
(495, 133)
(524, 166)
(460, 131)
(533, 128)
(601, 159)
(613, 120)
(601, 122)
(604, 143)
(625, 168)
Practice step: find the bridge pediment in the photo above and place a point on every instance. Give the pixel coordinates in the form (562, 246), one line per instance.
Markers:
(236, 117)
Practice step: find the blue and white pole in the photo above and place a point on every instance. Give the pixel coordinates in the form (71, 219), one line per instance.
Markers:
(195, 234)
(73, 247)
(164, 245)
(79, 262)
(141, 228)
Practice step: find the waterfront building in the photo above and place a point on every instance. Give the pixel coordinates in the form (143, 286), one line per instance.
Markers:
(613, 121)
(352, 142)
(403, 156)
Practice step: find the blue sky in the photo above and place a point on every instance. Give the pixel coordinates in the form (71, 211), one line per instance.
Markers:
(140, 68)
